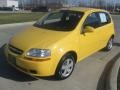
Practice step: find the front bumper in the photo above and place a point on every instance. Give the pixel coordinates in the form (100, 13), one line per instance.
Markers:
(34, 68)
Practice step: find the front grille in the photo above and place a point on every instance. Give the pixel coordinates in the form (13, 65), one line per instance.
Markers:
(15, 50)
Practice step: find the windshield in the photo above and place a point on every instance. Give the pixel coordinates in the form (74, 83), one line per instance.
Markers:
(64, 20)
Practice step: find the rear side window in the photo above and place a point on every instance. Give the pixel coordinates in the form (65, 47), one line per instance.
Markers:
(104, 18)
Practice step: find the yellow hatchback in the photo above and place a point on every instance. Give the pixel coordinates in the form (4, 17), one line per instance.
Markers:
(56, 42)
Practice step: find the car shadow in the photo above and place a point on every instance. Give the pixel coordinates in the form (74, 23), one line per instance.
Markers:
(8, 72)
(116, 44)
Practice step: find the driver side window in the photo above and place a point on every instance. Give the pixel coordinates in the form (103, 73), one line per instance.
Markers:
(92, 20)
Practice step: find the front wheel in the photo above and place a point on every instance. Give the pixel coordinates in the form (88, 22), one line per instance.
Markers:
(109, 45)
(65, 67)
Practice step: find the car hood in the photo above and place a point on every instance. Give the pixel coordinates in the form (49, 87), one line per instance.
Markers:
(37, 38)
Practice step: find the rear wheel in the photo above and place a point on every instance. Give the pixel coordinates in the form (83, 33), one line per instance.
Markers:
(65, 67)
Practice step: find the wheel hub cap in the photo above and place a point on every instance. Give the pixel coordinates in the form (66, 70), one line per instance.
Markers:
(67, 67)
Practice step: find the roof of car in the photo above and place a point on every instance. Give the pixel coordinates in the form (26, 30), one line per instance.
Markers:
(83, 9)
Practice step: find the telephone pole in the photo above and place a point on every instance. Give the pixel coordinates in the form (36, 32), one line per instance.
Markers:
(22, 1)
(114, 7)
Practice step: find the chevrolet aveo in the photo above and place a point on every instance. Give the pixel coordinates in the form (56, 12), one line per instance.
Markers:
(56, 42)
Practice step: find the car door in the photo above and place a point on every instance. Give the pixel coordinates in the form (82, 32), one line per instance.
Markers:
(106, 28)
(89, 41)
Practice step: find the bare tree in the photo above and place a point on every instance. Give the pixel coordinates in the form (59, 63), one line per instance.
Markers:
(64, 1)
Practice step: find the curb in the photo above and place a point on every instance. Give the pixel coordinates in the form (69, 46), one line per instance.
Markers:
(108, 78)
(16, 24)
(114, 75)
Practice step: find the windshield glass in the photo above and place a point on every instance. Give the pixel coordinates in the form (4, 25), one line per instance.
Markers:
(64, 20)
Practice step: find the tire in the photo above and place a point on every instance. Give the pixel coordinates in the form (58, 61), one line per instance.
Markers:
(109, 45)
(65, 67)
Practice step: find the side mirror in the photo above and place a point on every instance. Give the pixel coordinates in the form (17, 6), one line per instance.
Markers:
(88, 29)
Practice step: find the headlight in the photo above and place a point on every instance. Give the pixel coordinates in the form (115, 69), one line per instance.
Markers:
(40, 53)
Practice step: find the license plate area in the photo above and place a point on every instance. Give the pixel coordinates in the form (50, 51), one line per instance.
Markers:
(12, 59)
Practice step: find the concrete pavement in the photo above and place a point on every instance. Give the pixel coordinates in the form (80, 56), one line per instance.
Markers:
(85, 76)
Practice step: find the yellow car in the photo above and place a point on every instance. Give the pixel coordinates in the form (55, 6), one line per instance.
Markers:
(56, 42)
